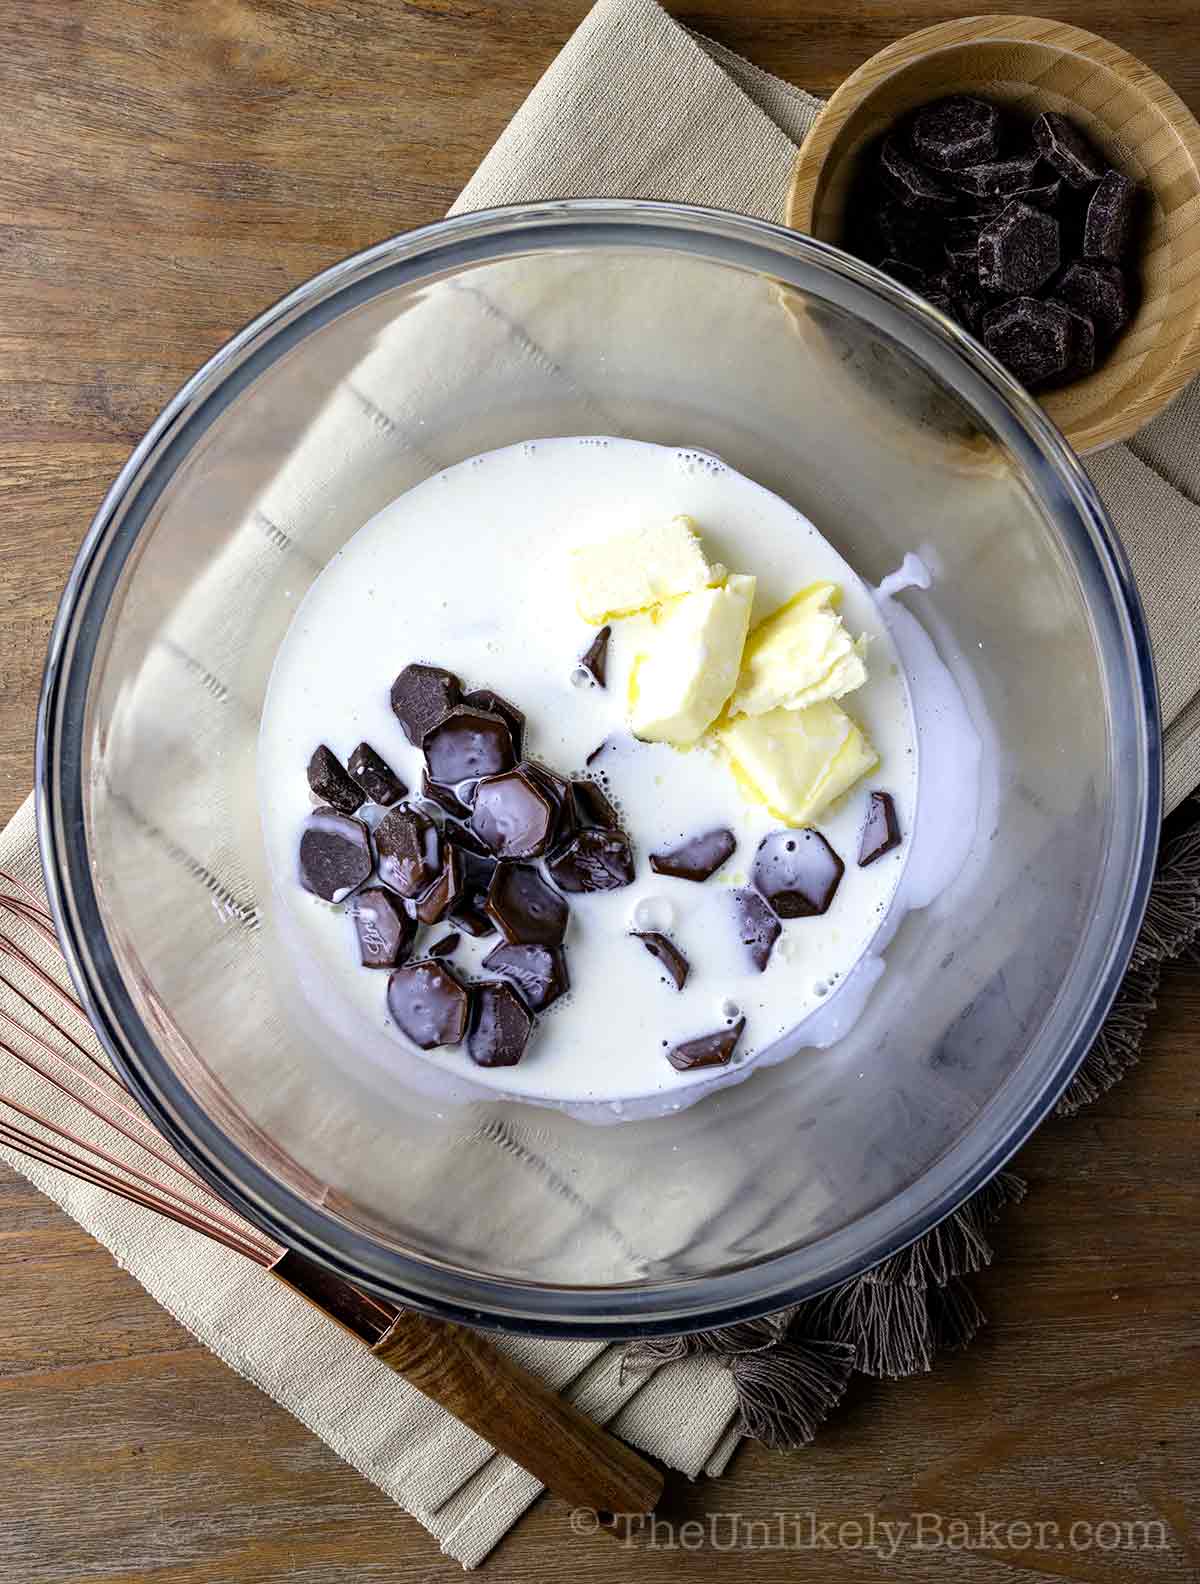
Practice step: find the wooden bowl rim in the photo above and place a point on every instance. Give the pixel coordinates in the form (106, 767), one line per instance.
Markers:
(992, 28)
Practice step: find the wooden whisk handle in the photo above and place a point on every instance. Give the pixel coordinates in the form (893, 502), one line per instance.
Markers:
(462, 1371)
(568, 1452)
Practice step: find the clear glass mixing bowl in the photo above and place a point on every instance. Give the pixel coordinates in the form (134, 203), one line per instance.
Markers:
(822, 380)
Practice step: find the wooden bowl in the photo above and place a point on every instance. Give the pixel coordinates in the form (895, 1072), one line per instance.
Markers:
(1032, 64)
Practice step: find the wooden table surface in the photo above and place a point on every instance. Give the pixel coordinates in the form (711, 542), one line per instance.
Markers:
(166, 170)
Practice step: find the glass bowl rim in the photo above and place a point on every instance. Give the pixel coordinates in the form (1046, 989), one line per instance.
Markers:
(699, 1302)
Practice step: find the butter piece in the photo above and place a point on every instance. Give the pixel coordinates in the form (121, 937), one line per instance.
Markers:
(682, 680)
(799, 656)
(634, 571)
(796, 761)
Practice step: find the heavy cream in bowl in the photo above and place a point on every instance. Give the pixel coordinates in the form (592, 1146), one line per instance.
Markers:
(470, 571)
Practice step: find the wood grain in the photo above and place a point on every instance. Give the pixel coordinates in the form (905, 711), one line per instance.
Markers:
(169, 169)
(1031, 65)
(576, 1460)
(464, 1371)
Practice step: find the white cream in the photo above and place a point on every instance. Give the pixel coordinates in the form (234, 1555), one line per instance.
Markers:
(471, 570)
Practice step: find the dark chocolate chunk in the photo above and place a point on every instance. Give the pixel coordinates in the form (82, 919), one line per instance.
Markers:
(335, 854)
(512, 816)
(945, 282)
(957, 131)
(906, 274)
(468, 912)
(698, 857)
(906, 235)
(538, 973)
(1018, 250)
(960, 239)
(912, 184)
(524, 908)
(758, 926)
(797, 871)
(982, 233)
(410, 851)
(591, 806)
(447, 946)
(1083, 342)
(1031, 338)
(500, 1026)
(463, 836)
(597, 751)
(446, 890)
(1045, 195)
(667, 953)
(595, 659)
(485, 699)
(999, 178)
(881, 829)
(328, 780)
(422, 695)
(1065, 149)
(970, 304)
(1098, 290)
(467, 744)
(445, 797)
(385, 931)
(376, 777)
(558, 791)
(428, 1003)
(593, 860)
(1109, 218)
(709, 1050)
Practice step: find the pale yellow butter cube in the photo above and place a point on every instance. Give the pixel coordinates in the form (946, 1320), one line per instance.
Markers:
(797, 762)
(682, 680)
(799, 655)
(631, 572)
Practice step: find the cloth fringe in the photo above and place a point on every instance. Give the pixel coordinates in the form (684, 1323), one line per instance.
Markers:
(792, 1368)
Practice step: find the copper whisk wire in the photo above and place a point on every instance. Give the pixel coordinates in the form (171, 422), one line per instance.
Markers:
(47, 1041)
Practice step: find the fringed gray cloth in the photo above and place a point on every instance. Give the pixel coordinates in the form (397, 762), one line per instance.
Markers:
(791, 1369)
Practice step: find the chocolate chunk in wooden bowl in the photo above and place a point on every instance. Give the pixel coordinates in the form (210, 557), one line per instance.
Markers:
(1100, 291)
(956, 131)
(1018, 250)
(1109, 221)
(1065, 149)
(1031, 338)
(910, 182)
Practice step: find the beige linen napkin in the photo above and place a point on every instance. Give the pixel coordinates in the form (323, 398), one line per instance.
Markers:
(634, 106)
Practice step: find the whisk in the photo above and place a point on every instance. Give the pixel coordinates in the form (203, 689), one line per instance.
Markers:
(64, 1106)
